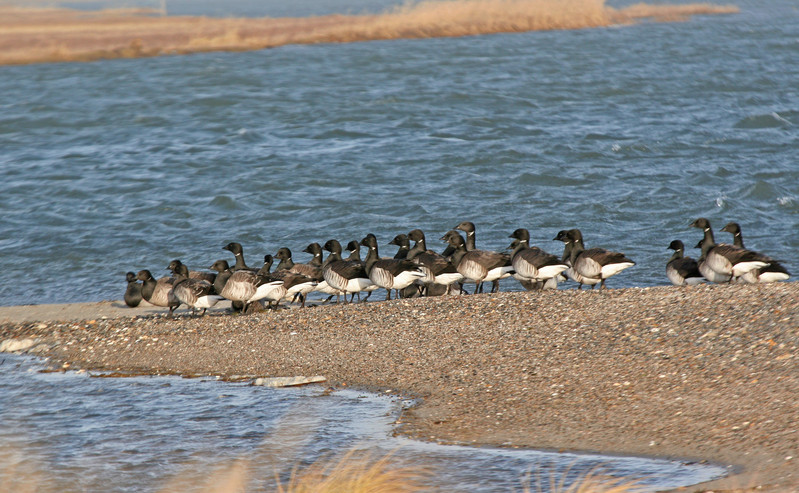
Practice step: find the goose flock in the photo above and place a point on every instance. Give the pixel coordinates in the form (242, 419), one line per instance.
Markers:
(418, 271)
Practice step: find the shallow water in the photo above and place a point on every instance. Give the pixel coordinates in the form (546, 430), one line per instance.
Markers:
(628, 133)
(75, 433)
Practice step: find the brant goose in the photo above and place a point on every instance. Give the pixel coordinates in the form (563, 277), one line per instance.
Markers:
(681, 270)
(347, 276)
(404, 244)
(193, 274)
(133, 291)
(312, 272)
(532, 264)
(223, 274)
(708, 273)
(158, 293)
(295, 284)
(595, 265)
(196, 293)
(729, 261)
(772, 273)
(236, 249)
(323, 287)
(388, 273)
(439, 272)
(533, 285)
(247, 287)
(469, 228)
(354, 248)
(478, 265)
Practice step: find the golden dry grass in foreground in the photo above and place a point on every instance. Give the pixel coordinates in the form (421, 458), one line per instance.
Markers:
(353, 472)
(54, 35)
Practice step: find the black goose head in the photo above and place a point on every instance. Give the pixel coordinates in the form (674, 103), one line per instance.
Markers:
(353, 246)
(174, 266)
(332, 246)
(574, 235)
(733, 228)
(313, 249)
(520, 234)
(563, 235)
(676, 245)
(144, 275)
(416, 235)
(220, 266)
(234, 247)
(369, 241)
(453, 238)
(401, 240)
(181, 271)
(701, 223)
(283, 254)
(466, 226)
(130, 277)
(268, 260)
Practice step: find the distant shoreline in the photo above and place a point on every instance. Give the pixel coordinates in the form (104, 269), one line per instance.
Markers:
(703, 373)
(39, 35)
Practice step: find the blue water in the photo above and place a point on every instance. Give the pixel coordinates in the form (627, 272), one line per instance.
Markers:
(73, 433)
(628, 133)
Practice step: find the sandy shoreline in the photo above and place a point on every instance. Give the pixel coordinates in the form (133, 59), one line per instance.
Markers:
(707, 373)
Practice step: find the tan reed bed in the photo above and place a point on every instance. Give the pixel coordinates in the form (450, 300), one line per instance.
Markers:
(61, 35)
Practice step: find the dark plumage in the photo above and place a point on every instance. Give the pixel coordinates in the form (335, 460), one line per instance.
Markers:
(477, 265)
(388, 273)
(193, 274)
(595, 265)
(158, 293)
(195, 293)
(238, 252)
(133, 291)
(722, 262)
(773, 272)
(404, 244)
(532, 264)
(346, 276)
(682, 270)
(440, 273)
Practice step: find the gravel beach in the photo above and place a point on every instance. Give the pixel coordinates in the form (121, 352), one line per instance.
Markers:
(708, 373)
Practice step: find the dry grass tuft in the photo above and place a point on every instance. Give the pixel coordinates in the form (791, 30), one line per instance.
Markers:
(54, 35)
(355, 472)
(591, 482)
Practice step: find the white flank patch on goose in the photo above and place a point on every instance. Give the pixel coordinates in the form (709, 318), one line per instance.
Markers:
(272, 291)
(359, 284)
(406, 278)
(550, 271)
(207, 301)
(448, 278)
(498, 273)
(742, 268)
(772, 276)
(613, 269)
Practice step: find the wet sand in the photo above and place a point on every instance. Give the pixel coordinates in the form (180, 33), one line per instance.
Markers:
(708, 373)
